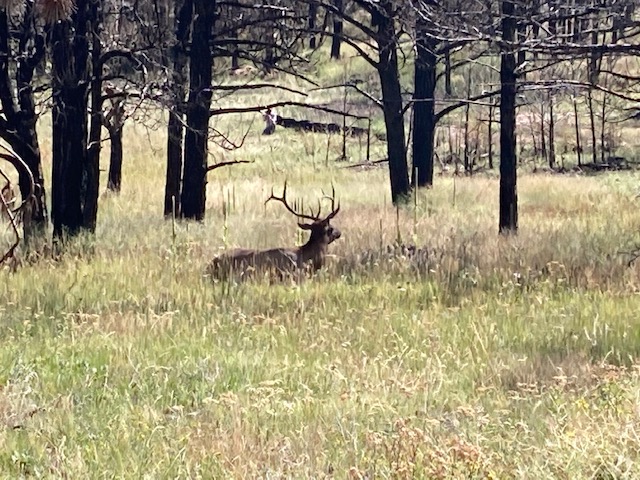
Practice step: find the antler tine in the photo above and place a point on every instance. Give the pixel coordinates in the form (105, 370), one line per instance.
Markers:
(334, 209)
(316, 215)
(283, 200)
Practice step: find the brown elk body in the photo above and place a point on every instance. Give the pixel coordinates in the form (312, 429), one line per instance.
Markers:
(243, 263)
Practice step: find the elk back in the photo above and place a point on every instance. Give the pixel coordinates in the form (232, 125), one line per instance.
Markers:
(241, 264)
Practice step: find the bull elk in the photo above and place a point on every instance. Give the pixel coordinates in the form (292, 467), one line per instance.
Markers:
(243, 263)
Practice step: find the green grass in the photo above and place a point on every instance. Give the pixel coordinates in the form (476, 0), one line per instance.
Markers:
(480, 357)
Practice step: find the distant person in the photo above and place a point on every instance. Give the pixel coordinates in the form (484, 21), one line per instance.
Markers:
(271, 119)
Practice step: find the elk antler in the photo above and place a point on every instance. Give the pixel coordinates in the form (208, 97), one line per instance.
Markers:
(334, 209)
(283, 200)
(314, 217)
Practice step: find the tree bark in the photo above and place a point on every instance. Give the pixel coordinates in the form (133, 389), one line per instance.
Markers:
(21, 117)
(552, 133)
(115, 160)
(508, 165)
(92, 175)
(490, 134)
(448, 89)
(175, 128)
(337, 30)
(392, 103)
(313, 15)
(198, 107)
(424, 121)
(70, 68)
(577, 130)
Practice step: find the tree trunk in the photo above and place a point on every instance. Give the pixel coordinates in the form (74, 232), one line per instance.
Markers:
(490, 134)
(552, 134)
(508, 166)
(198, 107)
(543, 136)
(70, 68)
(424, 121)
(175, 128)
(92, 178)
(392, 104)
(21, 117)
(337, 30)
(115, 161)
(235, 54)
(448, 89)
(595, 59)
(468, 165)
(313, 14)
(577, 129)
(592, 121)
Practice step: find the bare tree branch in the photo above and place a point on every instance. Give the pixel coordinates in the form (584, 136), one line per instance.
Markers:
(226, 164)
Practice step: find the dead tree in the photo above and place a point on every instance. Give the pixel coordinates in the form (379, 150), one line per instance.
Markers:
(22, 50)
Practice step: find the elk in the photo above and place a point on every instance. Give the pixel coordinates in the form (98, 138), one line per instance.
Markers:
(283, 262)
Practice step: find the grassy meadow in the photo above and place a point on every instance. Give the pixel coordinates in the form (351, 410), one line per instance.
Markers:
(473, 356)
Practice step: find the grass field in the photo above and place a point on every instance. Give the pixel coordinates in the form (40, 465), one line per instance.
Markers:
(474, 357)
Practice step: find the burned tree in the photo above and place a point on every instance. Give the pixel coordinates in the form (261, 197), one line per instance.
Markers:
(22, 49)
(508, 163)
(336, 39)
(179, 61)
(267, 37)
(198, 106)
(382, 34)
(70, 62)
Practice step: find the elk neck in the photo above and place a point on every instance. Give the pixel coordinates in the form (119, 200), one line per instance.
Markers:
(314, 250)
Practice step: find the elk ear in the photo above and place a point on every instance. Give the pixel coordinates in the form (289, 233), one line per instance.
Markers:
(304, 226)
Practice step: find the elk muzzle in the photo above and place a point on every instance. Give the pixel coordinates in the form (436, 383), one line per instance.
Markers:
(334, 234)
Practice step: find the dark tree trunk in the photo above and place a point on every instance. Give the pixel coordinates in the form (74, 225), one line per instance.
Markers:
(392, 103)
(448, 89)
(35, 220)
(424, 121)
(552, 134)
(175, 128)
(19, 130)
(595, 60)
(521, 37)
(313, 15)
(235, 54)
(490, 134)
(592, 121)
(70, 69)
(198, 107)
(508, 164)
(337, 30)
(92, 179)
(114, 122)
(173, 182)
(115, 161)
(269, 61)
(543, 136)
(577, 129)
(468, 163)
